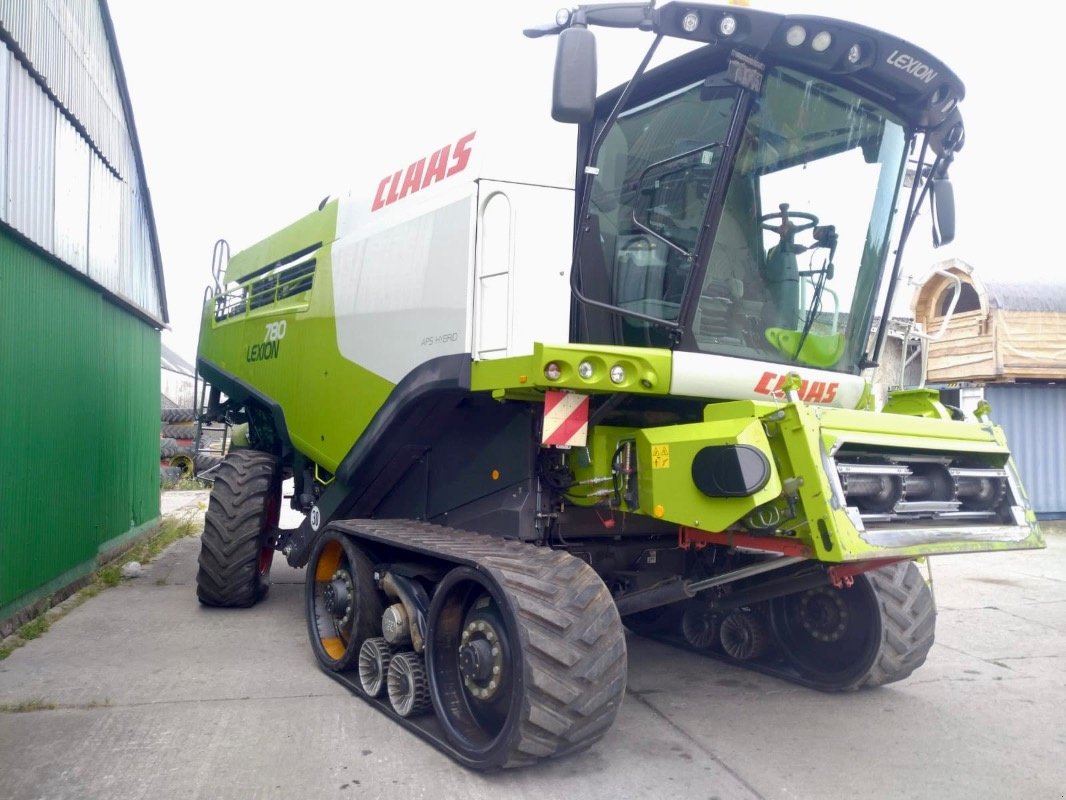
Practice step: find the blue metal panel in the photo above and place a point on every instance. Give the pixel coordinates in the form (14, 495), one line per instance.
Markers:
(1034, 418)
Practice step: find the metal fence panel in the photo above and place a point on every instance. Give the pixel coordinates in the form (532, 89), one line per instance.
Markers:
(1034, 419)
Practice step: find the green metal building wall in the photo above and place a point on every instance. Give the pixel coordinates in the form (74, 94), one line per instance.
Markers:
(79, 426)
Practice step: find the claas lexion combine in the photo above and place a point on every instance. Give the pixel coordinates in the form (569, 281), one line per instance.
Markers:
(521, 418)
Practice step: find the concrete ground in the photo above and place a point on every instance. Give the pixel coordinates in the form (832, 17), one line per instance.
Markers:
(142, 693)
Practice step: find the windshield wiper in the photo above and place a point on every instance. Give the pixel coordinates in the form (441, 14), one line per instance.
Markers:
(824, 236)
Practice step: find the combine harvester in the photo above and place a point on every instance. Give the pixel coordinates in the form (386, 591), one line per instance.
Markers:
(521, 417)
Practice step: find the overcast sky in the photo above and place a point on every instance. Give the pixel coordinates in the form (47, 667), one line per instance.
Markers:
(249, 112)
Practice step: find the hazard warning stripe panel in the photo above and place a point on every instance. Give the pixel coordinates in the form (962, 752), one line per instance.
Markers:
(566, 419)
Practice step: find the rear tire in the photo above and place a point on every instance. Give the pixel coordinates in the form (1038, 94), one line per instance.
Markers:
(235, 551)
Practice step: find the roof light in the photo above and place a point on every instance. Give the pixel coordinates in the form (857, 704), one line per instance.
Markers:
(727, 25)
(690, 22)
(796, 35)
(552, 371)
(618, 374)
(821, 41)
(585, 370)
(855, 54)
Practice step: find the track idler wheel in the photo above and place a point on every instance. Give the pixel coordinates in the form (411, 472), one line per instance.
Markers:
(744, 636)
(509, 688)
(876, 631)
(343, 604)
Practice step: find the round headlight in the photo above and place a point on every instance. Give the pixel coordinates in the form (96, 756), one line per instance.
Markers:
(618, 374)
(690, 22)
(727, 25)
(562, 17)
(855, 54)
(585, 370)
(552, 371)
(821, 41)
(796, 35)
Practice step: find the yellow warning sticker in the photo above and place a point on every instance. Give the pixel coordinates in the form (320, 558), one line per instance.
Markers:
(660, 456)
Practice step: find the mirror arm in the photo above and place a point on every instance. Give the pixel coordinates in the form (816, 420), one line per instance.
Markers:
(871, 358)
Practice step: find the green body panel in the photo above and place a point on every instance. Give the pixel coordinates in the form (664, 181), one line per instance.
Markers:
(916, 403)
(318, 227)
(796, 440)
(665, 456)
(328, 401)
(80, 442)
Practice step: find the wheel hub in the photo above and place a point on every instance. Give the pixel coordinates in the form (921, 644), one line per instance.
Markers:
(475, 660)
(824, 614)
(480, 659)
(337, 596)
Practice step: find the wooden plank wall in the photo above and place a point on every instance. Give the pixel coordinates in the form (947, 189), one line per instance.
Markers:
(966, 352)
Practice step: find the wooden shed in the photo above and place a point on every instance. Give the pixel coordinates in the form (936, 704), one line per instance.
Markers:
(1000, 331)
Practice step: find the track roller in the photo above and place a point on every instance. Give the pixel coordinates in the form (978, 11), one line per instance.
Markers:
(407, 684)
(700, 625)
(744, 636)
(374, 657)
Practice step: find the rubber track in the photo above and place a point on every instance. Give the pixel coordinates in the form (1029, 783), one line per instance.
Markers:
(908, 628)
(908, 619)
(570, 631)
(230, 544)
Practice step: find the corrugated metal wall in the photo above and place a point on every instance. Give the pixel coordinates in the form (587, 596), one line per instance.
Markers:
(76, 193)
(65, 42)
(1034, 419)
(79, 451)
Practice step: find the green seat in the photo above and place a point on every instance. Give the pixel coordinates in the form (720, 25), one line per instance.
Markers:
(819, 349)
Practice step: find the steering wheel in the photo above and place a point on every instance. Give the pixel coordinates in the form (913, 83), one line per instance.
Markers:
(786, 227)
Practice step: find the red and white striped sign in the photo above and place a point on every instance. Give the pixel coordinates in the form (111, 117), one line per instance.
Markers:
(566, 419)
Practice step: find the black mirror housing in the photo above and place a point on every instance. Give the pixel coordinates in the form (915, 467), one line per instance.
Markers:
(943, 207)
(574, 86)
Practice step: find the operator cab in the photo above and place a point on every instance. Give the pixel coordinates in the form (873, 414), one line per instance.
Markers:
(740, 201)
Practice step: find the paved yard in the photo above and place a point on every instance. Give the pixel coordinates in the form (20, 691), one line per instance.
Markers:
(148, 695)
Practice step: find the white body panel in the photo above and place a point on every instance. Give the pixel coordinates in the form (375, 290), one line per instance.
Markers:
(725, 378)
(522, 292)
(438, 260)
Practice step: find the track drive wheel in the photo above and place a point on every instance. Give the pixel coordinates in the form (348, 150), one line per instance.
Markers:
(343, 604)
(511, 688)
(235, 553)
(875, 632)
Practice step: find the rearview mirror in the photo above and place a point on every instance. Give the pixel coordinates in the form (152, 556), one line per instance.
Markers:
(574, 87)
(943, 207)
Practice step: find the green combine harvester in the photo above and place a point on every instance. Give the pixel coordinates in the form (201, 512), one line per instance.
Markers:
(521, 417)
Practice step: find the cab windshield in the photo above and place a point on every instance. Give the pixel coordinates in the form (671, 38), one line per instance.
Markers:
(782, 263)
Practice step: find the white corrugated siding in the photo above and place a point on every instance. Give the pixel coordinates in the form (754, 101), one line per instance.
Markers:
(1034, 419)
(30, 159)
(105, 227)
(72, 195)
(5, 68)
(54, 186)
(66, 43)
